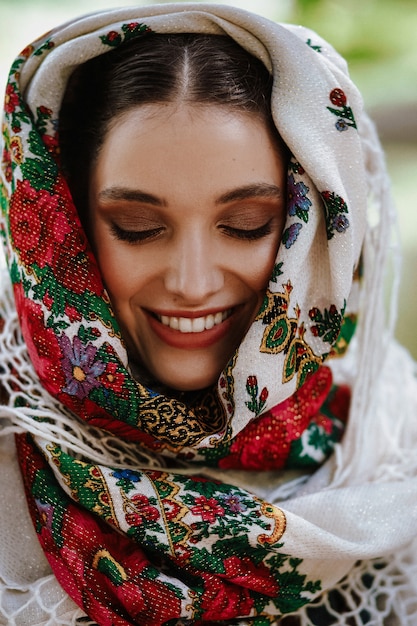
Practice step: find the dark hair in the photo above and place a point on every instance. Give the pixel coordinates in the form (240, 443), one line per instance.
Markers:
(154, 68)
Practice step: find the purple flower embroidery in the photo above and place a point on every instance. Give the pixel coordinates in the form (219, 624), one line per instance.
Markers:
(290, 234)
(341, 125)
(80, 368)
(234, 503)
(336, 210)
(298, 202)
(340, 223)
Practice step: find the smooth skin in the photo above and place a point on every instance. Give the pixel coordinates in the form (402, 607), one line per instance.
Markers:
(187, 208)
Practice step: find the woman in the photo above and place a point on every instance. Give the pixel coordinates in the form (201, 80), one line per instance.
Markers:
(200, 441)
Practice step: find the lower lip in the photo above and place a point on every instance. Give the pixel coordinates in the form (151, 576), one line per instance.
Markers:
(190, 341)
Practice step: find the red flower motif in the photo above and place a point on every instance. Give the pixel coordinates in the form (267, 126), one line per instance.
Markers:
(16, 149)
(222, 600)
(72, 313)
(7, 165)
(46, 231)
(48, 300)
(182, 553)
(172, 509)
(37, 224)
(243, 572)
(11, 100)
(41, 342)
(264, 395)
(208, 508)
(112, 378)
(132, 26)
(76, 567)
(113, 35)
(141, 511)
(265, 442)
(45, 111)
(337, 97)
(26, 52)
(252, 382)
(52, 144)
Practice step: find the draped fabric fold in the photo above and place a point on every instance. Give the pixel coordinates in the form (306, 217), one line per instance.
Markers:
(223, 509)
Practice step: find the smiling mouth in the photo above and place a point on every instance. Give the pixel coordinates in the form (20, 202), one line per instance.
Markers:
(195, 324)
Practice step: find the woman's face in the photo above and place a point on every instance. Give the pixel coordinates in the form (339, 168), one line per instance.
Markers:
(187, 207)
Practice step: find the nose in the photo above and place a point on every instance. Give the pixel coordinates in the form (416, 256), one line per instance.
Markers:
(194, 272)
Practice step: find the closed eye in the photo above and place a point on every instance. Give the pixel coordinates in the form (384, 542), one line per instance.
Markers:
(249, 234)
(135, 236)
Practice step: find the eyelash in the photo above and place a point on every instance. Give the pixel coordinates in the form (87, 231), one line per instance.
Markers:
(138, 236)
(134, 236)
(249, 235)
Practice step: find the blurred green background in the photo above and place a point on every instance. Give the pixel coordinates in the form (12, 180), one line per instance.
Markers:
(379, 40)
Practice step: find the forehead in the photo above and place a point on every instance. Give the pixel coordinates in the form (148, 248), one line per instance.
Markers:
(187, 147)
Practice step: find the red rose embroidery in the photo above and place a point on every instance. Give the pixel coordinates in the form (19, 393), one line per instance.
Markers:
(11, 100)
(45, 233)
(141, 511)
(37, 224)
(41, 342)
(243, 572)
(337, 97)
(222, 600)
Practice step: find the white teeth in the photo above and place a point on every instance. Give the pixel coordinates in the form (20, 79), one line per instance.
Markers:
(185, 325)
(209, 322)
(196, 324)
(218, 318)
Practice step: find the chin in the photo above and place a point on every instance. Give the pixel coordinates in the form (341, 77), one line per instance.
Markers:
(195, 383)
(189, 377)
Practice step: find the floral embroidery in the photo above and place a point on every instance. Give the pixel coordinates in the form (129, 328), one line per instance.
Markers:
(80, 367)
(16, 150)
(343, 112)
(255, 404)
(130, 30)
(280, 437)
(37, 231)
(285, 334)
(48, 44)
(327, 324)
(234, 503)
(208, 509)
(207, 550)
(290, 234)
(298, 202)
(139, 509)
(276, 272)
(126, 479)
(336, 209)
(43, 119)
(11, 101)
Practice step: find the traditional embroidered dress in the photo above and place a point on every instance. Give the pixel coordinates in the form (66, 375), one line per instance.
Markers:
(288, 488)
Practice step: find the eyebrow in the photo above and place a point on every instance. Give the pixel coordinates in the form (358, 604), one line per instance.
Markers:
(131, 195)
(255, 190)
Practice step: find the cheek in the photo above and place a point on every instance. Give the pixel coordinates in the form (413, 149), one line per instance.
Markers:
(114, 266)
(260, 264)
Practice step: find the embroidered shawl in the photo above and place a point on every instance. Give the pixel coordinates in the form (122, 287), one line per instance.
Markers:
(241, 505)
